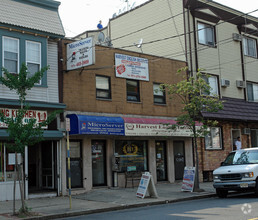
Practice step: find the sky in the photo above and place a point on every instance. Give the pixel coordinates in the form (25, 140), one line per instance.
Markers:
(81, 15)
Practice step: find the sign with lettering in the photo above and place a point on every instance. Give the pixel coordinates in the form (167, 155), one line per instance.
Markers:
(146, 184)
(188, 179)
(80, 54)
(131, 67)
(135, 129)
(40, 116)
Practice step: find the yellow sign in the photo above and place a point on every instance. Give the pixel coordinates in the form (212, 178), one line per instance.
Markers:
(130, 149)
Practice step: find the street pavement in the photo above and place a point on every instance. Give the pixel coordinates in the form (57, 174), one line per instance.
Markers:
(104, 199)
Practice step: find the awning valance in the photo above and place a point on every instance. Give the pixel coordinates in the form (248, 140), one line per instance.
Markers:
(86, 124)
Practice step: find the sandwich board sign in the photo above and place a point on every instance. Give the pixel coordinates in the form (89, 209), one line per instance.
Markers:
(146, 184)
(188, 179)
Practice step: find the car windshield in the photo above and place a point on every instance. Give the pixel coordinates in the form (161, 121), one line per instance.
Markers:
(241, 157)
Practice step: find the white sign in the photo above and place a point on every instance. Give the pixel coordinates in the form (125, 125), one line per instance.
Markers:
(80, 54)
(188, 179)
(134, 129)
(40, 116)
(67, 120)
(131, 67)
(145, 184)
(11, 158)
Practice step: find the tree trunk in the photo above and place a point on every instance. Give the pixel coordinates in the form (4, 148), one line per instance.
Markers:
(196, 179)
(14, 182)
(20, 176)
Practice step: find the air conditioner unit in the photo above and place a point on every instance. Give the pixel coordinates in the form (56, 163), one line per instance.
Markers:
(247, 131)
(240, 84)
(237, 37)
(225, 82)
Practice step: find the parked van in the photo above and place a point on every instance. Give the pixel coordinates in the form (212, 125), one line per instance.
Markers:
(238, 172)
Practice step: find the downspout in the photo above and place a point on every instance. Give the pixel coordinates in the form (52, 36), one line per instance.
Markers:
(60, 70)
(190, 41)
(195, 44)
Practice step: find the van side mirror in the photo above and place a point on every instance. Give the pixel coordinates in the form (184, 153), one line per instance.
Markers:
(222, 163)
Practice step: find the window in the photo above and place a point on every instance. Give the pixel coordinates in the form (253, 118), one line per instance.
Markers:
(132, 88)
(206, 34)
(254, 137)
(103, 87)
(33, 58)
(249, 47)
(159, 94)
(11, 54)
(252, 92)
(213, 139)
(213, 83)
(133, 155)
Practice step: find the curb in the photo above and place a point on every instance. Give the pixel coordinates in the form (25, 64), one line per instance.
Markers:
(116, 208)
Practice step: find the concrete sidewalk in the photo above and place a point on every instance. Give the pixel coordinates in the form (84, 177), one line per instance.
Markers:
(104, 199)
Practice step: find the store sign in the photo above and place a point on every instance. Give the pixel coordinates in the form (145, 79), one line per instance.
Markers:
(134, 129)
(103, 128)
(80, 54)
(40, 116)
(131, 67)
(188, 179)
(130, 149)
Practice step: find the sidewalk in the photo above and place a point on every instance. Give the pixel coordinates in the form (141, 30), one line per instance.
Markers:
(104, 199)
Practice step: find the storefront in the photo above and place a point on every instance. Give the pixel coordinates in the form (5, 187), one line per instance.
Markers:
(114, 146)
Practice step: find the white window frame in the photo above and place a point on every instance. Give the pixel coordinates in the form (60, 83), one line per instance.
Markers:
(18, 52)
(212, 80)
(246, 46)
(31, 61)
(213, 141)
(158, 93)
(203, 31)
(103, 89)
(254, 92)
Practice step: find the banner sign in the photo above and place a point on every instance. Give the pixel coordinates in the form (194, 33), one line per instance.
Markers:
(40, 116)
(131, 67)
(80, 54)
(103, 128)
(134, 129)
(188, 179)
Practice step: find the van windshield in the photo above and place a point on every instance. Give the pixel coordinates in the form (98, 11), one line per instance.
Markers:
(241, 157)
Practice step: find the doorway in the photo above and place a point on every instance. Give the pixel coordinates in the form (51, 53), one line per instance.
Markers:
(161, 161)
(179, 159)
(235, 133)
(98, 152)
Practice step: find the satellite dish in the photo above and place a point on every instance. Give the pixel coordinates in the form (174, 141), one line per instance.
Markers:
(101, 37)
(139, 45)
(108, 42)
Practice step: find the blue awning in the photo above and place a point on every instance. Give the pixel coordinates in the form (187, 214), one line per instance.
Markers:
(101, 125)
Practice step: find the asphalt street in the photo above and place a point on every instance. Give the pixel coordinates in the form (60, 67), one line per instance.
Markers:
(242, 207)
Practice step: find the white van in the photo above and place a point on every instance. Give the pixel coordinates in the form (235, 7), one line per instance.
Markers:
(238, 172)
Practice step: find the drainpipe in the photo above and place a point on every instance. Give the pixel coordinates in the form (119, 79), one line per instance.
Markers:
(190, 42)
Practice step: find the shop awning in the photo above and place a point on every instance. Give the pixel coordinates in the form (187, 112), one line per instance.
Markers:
(100, 125)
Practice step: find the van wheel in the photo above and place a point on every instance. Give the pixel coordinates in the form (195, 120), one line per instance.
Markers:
(256, 188)
(221, 193)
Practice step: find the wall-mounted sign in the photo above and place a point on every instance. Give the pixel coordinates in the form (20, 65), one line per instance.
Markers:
(130, 149)
(134, 129)
(40, 116)
(131, 67)
(80, 54)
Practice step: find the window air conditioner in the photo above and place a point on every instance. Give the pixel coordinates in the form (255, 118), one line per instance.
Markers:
(240, 84)
(225, 82)
(237, 37)
(247, 131)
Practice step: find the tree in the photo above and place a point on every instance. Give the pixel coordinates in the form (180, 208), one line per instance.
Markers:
(196, 96)
(21, 134)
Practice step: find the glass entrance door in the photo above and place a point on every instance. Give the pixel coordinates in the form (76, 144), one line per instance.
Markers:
(161, 162)
(98, 149)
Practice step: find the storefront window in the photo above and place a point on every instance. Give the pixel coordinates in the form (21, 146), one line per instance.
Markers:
(7, 162)
(133, 155)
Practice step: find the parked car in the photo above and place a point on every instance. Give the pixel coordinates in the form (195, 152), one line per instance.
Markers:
(238, 172)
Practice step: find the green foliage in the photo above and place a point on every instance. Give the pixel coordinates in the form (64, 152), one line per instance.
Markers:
(20, 134)
(193, 91)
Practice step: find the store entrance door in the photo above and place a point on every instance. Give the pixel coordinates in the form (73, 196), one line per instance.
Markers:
(179, 159)
(161, 163)
(98, 149)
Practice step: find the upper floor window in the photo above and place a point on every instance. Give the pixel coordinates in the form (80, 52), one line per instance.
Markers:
(159, 94)
(133, 91)
(213, 139)
(249, 45)
(103, 87)
(213, 83)
(33, 57)
(206, 34)
(11, 54)
(252, 92)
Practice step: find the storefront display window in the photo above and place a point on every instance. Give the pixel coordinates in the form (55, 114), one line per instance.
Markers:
(133, 155)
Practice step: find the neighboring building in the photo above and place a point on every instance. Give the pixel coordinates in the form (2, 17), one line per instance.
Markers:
(124, 116)
(29, 33)
(210, 36)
